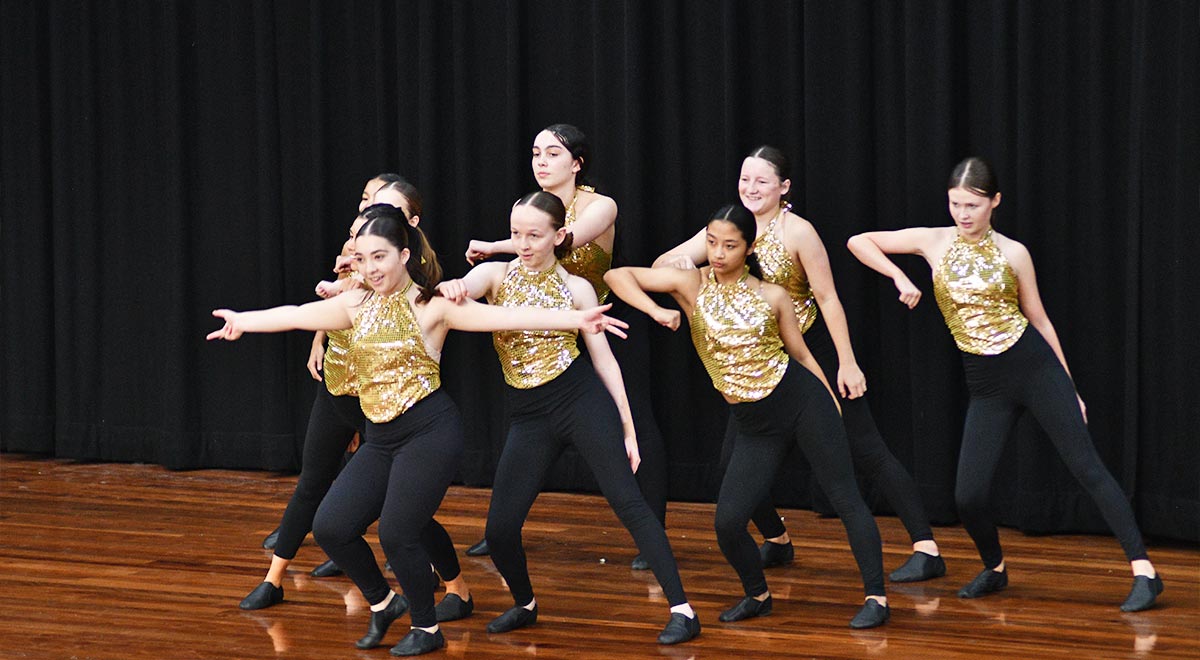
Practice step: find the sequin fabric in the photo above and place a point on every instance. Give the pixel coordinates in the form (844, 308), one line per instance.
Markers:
(338, 369)
(532, 357)
(779, 268)
(589, 260)
(736, 335)
(393, 369)
(976, 290)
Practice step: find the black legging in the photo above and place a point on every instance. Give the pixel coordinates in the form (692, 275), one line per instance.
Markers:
(573, 408)
(870, 453)
(1029, 375)
(799, 411)
(331, 426)
(399, 476)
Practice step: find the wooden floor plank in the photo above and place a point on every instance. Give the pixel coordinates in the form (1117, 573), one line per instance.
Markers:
(134, 561)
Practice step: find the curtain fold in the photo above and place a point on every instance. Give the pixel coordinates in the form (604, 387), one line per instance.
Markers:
(161, 159)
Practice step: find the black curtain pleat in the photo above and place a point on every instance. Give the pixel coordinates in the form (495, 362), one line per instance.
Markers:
(161, 159)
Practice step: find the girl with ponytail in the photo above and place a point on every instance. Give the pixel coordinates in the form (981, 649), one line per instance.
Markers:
(413, 435)
(560, 160)
(555, 399)
(747, 336)
(794, 257)
(335, 418)
(986, 288)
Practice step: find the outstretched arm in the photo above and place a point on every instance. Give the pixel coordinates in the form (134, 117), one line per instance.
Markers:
(872, 248)
(330, 314)
(631, 284)
(471, 316)
(688, 255)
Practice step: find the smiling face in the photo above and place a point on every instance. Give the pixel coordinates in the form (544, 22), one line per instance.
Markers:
(382, 265)
(972, 212)
(760, 187)
(534, 236)
(553, 164)
(727, 248)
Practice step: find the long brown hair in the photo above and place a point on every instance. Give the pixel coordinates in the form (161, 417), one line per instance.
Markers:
(389, 223)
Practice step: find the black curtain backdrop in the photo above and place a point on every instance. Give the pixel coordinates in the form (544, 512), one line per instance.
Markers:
(161, 159)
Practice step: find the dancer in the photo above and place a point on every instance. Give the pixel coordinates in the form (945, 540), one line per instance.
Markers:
(557, 399)
(745, 330)
(414, 436)
(561, 160)
(985, 286)
(792, 255)
(335, 416)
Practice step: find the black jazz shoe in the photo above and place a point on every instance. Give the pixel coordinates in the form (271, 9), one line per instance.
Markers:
(453, 608)
(776, 554)
(327, 569)
(267, 594)
(270, 540)
(516, 617)
(381, 621)
(920, 566)
(679, 629)
(1141, 597)
(479, 549)
(746, 608)
(418, 642)
(639, 563)
(871, 615)
(985, 583)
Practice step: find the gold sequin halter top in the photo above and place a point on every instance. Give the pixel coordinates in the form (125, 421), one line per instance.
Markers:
(532, 357)
(737, 337)
(977, 292)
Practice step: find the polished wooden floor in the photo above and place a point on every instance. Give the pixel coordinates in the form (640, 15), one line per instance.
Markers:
(134, 561)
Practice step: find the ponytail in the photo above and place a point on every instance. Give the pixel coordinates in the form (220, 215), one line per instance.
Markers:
(563, 249)
(423, 266)
(753, 266)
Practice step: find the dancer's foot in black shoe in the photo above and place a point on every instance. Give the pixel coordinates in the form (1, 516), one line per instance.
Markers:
(639, 563)
(516, 617)
(266, 595)
(418, 642)
(270, 540)
(1143, 594)
(872, 614)
(479, 549)
(776, 554)
(453, 608)
(920, 566)
(381, 621)
(327, 569)
(679, 629)
(985, 583)
(747, 608)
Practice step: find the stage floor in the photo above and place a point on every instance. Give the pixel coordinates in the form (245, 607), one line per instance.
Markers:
(134, 561)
